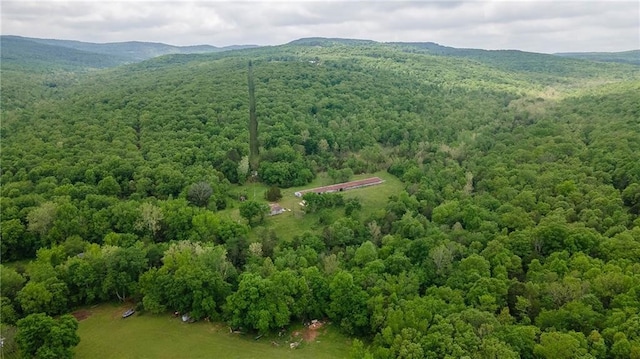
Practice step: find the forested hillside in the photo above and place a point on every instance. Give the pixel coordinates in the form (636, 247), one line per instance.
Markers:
(515, 232)
(122, 52)
(25, 54)
(628, 57)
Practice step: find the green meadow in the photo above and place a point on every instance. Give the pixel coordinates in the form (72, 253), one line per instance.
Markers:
(104, 334)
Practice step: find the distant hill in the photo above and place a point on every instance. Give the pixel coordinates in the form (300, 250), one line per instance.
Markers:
(137, 50)
(627, 57)
(509, 60)
(67, 53)
(325, 41)
(542, 65)
(25, 53)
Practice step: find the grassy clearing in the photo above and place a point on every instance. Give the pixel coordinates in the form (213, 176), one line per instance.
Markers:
(374, 199)
(104, 334)
(294, 222)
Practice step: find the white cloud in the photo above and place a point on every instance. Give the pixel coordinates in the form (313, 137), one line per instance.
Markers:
(542, 26)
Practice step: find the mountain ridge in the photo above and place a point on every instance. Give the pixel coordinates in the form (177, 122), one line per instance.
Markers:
(21, 52)
(628, 57)
(304, 41)
(132, 51)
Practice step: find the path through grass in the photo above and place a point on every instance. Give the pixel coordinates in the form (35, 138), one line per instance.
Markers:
(104, 334)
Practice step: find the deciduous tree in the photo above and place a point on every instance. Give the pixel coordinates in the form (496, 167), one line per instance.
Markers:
(253, 210)
(42, 337)
(199, 193)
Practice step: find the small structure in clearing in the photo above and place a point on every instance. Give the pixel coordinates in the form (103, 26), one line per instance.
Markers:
(342, 186)
(275, 209)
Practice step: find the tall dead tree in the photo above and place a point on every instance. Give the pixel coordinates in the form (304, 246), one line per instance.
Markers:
(254, 156)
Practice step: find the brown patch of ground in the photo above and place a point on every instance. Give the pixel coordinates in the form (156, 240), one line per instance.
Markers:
(81, 314)
(309, 333)
(312, 331)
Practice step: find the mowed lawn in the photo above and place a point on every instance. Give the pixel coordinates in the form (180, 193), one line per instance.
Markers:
(373, 199)
(104, 334)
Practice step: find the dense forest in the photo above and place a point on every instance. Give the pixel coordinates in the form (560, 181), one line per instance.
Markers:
(515, 233)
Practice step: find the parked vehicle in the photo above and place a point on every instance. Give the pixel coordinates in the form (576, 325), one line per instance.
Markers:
(128, 313)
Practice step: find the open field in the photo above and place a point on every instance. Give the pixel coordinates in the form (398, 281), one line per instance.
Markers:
(290, 223)
(104, 334)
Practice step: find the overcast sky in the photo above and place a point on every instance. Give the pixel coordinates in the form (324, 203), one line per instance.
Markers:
(540, 26)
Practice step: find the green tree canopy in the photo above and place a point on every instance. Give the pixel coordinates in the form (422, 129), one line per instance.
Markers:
(42, 337)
